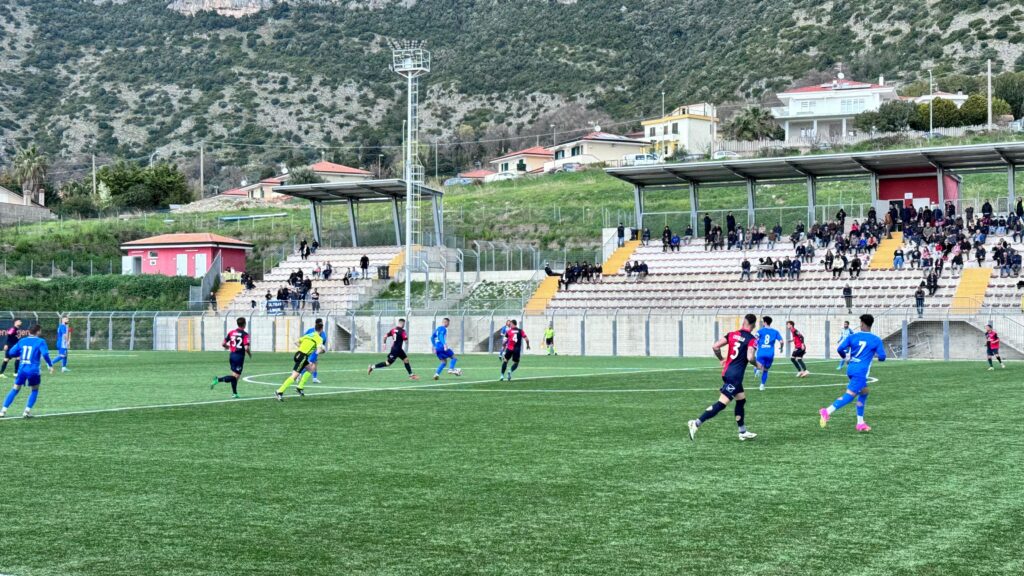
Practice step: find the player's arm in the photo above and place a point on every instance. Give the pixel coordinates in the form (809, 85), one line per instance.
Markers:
(14, 351)
(247, 343)
(224, 344)
(752, 357)
(843, 346)
(717, 348)
(880, 351)
(44, 352)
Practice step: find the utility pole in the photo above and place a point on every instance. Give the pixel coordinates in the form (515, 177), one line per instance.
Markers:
(94, 176)
(202, 175)
(931, 104)
(990, 94)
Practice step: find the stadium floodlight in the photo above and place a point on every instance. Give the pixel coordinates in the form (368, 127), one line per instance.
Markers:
(410, 60)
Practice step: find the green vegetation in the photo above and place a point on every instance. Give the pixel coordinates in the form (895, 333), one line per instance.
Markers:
(99, 292)
(472, 476)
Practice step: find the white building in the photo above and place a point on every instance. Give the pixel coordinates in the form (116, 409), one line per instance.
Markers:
(691, 128)
(959, 98)
(825, 111)
(594, 148)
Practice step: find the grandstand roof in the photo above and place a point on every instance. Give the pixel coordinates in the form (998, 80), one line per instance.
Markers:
(976, 157)
(357, 191)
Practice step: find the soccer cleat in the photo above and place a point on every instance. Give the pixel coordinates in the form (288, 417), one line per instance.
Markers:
(279, 396)
(3, 412)
(1001, 365)
(990, 368)
(761, 388)
(824, 417)
(369, 370)
(64, 370)
(756, 372)
(27, 413)
(840, 367)
(413, 377)
(862, 427)
(236, 396)
(2, 375)
(747, 436)
(438, 376)
(501, 378)
(508, 377)
(692, 426)
(302, 393)
(214, 383)
(456, 372)
(316, 380)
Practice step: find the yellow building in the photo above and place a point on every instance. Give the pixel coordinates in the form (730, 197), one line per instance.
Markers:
(523, 161)
(691, 128)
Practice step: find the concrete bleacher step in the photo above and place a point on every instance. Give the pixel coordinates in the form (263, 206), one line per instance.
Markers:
(619, 258)
(970, 292)
(883, 259)
(546, 290)
(227, 293)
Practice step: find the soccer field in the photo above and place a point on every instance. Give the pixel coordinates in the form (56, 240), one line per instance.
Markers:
(578, 466)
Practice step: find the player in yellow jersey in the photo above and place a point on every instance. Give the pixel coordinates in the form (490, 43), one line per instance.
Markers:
(308, 344)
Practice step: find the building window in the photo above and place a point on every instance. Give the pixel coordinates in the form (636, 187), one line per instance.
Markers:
(807, 105)
(559, 154)
(652, 131)
(852, 105)
(152, 254)
(521, 166)
(576, 150)
(504, 166)
(675, 127)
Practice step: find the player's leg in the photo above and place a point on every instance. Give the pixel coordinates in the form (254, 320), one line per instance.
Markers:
(33, 395)
(444, 362)
(307, 374)
(739, 409)
(63, 358)
(313, 366)
(9, 399)
(452, 362)
(724, 397)
(766, 363)
(504, 363)
(1000, 359)
(796, 362)
(408, 368)
(847, 397)
(862, 400)
(988, 357)
(3, 367)
(515, 364)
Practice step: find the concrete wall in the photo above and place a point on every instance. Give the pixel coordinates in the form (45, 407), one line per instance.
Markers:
(11, 214)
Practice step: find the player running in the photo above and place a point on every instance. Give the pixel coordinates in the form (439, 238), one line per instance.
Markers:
(238, 344)
(318, 327)
(439, 339)
(799, 350)
(514, 339)
(846, 333)
(549, 339)
(30, 350)
(397, 350)
(308, 344)
(766, 337)
(863, 347)
(740, 349)
(992, 347)
(13, 334)
(63, 343)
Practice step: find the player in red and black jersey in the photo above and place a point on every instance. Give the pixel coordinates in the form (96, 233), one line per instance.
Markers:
(397, 350)
(799, 349)
(237, 343)
(740, 350)
(514, 338)
(992, 346)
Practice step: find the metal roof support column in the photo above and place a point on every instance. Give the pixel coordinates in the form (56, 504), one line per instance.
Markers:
(638, 201)
(750, 201)
(812, 200)
(1011, 185)
(352, 223)
(874, 189)
(314, 221)
(940, 176)
(398, 223)
(438, 233)
(694, 189)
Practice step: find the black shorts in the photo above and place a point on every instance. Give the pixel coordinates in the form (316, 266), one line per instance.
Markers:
(799, 352)
(237, 362)
(992, 351)
(512, 355)
(731, 387)
(301, 361)
(396, 353)
(549, 341)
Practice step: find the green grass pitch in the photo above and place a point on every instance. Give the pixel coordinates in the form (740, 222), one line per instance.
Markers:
(578, 466)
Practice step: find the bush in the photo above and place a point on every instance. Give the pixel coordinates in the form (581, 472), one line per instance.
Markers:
(100, 292)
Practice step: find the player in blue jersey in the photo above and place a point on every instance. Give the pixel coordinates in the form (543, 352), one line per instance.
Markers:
(504, 338)
(439, 340)
(318, 328)
(63, 343)
(846, 333)
(862, 347)
(31, 350)
(766, 337)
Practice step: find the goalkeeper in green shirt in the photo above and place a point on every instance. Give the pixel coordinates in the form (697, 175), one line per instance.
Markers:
(549, 339)
(308, 344)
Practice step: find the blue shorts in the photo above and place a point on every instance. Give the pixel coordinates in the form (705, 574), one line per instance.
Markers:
(857, 382)
(26, 378)
(62, 351)
(314, 356)
(766, 361)
(444, 354)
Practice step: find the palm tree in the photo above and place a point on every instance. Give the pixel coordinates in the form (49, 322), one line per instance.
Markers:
(753, 123)
(30, 169)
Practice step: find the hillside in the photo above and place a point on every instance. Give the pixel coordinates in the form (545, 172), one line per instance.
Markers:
(126, 78)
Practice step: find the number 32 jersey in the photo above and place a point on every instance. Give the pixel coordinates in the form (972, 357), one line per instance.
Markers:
(735, 365)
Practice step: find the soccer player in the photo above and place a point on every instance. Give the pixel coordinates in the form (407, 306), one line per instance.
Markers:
(318, 327)
(30, 350)
(397, 351)
(308, 344)
(439, 339)
(846, 333)
(13, 334)
(992, 345)
(514, 339)
(504, 339)
(740, 350)
(238, 344)
(799, 350)
(765, 338)
(63, 343)
(862, 347)
(549, 339)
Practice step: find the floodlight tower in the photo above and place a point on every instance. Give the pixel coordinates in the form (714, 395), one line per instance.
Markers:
(410, 60)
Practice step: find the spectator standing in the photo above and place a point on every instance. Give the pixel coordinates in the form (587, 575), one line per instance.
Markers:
(707, 226)
(919, 300)
(364, 265)
(986, 209)
(730, 222)
(666, 238)
(213, 300)
(620, 231)
(848, 298)
(315, 297)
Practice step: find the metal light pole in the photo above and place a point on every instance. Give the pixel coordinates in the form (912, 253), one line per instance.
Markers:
(989, 95)
(410, 60)
(931, 104)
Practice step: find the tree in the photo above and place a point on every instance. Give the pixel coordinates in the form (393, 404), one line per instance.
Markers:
(975, 111)
(892, 116)
(166, 185)
(754, 123)
(30, 170)
(944, 115)
(1010, 87)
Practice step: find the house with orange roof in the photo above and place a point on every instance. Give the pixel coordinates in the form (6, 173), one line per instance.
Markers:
(478, 175)
(523, 161)
(189, 254)
(825, 112)
(331, 172)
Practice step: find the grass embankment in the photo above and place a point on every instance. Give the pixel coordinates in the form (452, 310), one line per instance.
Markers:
(100, 292)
